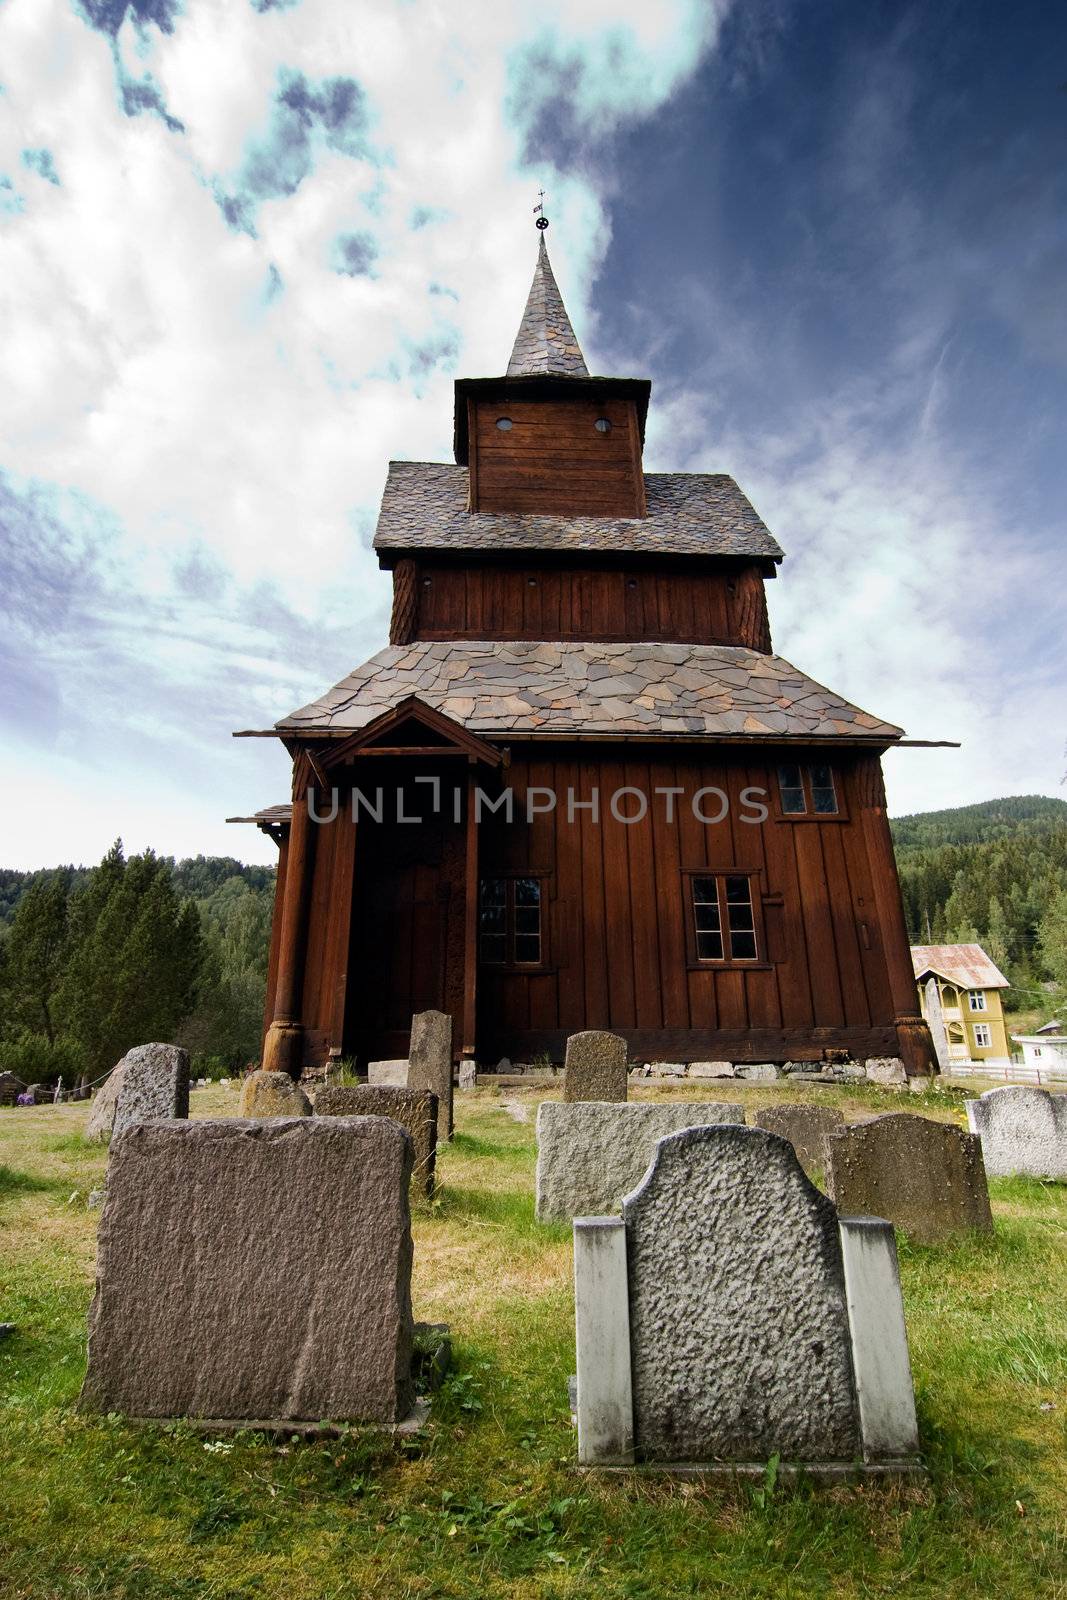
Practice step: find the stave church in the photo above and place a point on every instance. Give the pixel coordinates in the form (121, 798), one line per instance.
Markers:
(578, 789)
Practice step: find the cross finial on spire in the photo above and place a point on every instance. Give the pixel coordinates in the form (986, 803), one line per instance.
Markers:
(539, 211)
(545, 343)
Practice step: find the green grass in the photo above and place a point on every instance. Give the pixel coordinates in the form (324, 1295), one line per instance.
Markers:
(489, 1502)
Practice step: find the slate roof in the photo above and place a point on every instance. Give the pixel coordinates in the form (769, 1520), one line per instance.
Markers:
(521, 688)
(545, 343)
(964, 964)
(424, 507)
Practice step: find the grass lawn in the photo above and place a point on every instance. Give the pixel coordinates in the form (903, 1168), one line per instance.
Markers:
(489, 1501)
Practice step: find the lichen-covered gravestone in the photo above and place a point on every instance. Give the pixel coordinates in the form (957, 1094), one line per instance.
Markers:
(926, 1177)
(1023, 1131)
(155, 1085)
(272, 1094)
(104, 1105)
(430, 1062)
(255, 1271)
(414, 1109)
(805, 1127)
(589, 1155)
(595, 1067)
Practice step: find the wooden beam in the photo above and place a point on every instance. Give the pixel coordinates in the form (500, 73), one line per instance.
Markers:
(470, 929)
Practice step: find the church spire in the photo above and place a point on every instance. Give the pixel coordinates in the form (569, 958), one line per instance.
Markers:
(545, 344)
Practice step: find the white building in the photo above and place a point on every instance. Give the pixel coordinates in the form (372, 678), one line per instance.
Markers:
(1044, 1054)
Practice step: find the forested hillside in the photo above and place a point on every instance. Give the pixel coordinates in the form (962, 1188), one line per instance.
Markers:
(994, 873)
(93, 960)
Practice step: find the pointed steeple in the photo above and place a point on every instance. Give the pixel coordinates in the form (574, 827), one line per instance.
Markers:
(545, 343)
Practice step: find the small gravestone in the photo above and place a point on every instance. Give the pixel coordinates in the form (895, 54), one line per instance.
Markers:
(468, 1074)
(391, 1074)
(10, 1088)
(805, 1127)
(1023, 1131)
(430, 1062)
(272, 1094)
(155, 1085)
(595, 1067)
(104, 1105)
(255, 1271)
(730, 1317)
(887, 1070)
(926, 1177)
(589, 1154)
(414, 1109)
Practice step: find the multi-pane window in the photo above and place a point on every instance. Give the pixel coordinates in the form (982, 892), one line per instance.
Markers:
(509, 921)
(724, 922)
(976, 999)
(983, 1035)
(807, 789)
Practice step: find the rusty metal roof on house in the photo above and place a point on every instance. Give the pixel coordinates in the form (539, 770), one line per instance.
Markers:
(717, 692)
(545, 343)
(424, 507)
(963, 964)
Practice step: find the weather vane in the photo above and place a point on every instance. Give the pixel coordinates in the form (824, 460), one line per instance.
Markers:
(542, 220)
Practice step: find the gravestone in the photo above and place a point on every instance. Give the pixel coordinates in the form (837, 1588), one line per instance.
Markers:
(104, 1105)
(590, 1154)
(430, 1062)
(935, 1019)
(414, 1109)
(1023, 1131)
(255, 1270)
(888, 1070)
(595, 1067)
(393, 1074)
(805, 1127)
(10, 1088)
(155, 1085)
(468, 1074)
(925, 1177)
(272, 1094)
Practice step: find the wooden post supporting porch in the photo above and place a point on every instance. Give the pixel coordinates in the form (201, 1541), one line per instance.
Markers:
(284, 1041)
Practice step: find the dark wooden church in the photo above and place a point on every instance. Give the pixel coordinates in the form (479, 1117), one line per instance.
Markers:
(578, 790)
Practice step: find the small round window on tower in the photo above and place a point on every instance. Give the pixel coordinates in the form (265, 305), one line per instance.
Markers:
(504, 424)
(602, 425)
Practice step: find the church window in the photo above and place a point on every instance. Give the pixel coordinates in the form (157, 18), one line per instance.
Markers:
(807, 790)
(724, 923)
(602, 425)
(505, 424)
(509, 921)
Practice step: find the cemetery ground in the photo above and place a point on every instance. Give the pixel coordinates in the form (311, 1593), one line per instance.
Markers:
(489, 1501)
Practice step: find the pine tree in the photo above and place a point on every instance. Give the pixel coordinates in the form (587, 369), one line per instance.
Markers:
(35, 954)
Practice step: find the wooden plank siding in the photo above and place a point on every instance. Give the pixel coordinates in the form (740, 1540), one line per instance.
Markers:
(542, 599)
(553, 459)
(618, 904)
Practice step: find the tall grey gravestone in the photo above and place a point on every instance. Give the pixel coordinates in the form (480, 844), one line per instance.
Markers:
(430, 1062)
(155, 1085)
(805, 1127)
(926, 1177)
(255, 1271)
(935, 1019)
(729, 1315)
(414, 1109)
(1023, 1131)
(595, 1067)
(104, 1106)
(590, 1155)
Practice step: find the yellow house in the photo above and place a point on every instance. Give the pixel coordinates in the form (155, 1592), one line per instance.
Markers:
(959, 992)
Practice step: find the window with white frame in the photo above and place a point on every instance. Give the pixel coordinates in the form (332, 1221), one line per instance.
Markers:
(976, 997)
(983, 1036)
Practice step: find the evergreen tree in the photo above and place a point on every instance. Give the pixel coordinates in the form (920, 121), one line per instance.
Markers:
(35, 953)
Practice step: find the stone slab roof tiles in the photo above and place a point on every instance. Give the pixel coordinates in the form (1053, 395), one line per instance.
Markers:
(424, 507)
(545, 343)
(521, 688)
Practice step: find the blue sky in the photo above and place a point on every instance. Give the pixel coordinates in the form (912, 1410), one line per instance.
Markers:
(248, 247)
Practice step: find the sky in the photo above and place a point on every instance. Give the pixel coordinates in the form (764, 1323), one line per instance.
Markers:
(246, 246)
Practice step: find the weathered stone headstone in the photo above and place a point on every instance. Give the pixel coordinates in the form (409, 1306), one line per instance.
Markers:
(430, 1062)
(805, 1127)
(391, 1074)
(414, 1109)
(255, 1270)
(155, 1085)
(738, 1322)
(590, 1154)
(468, 1074)
(10, 1088)
(595, 1067)
(104, 1105)
(926, 1177)
(1023, 1131)
(888, 1070)
(272, 1094)
(935, 1019)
